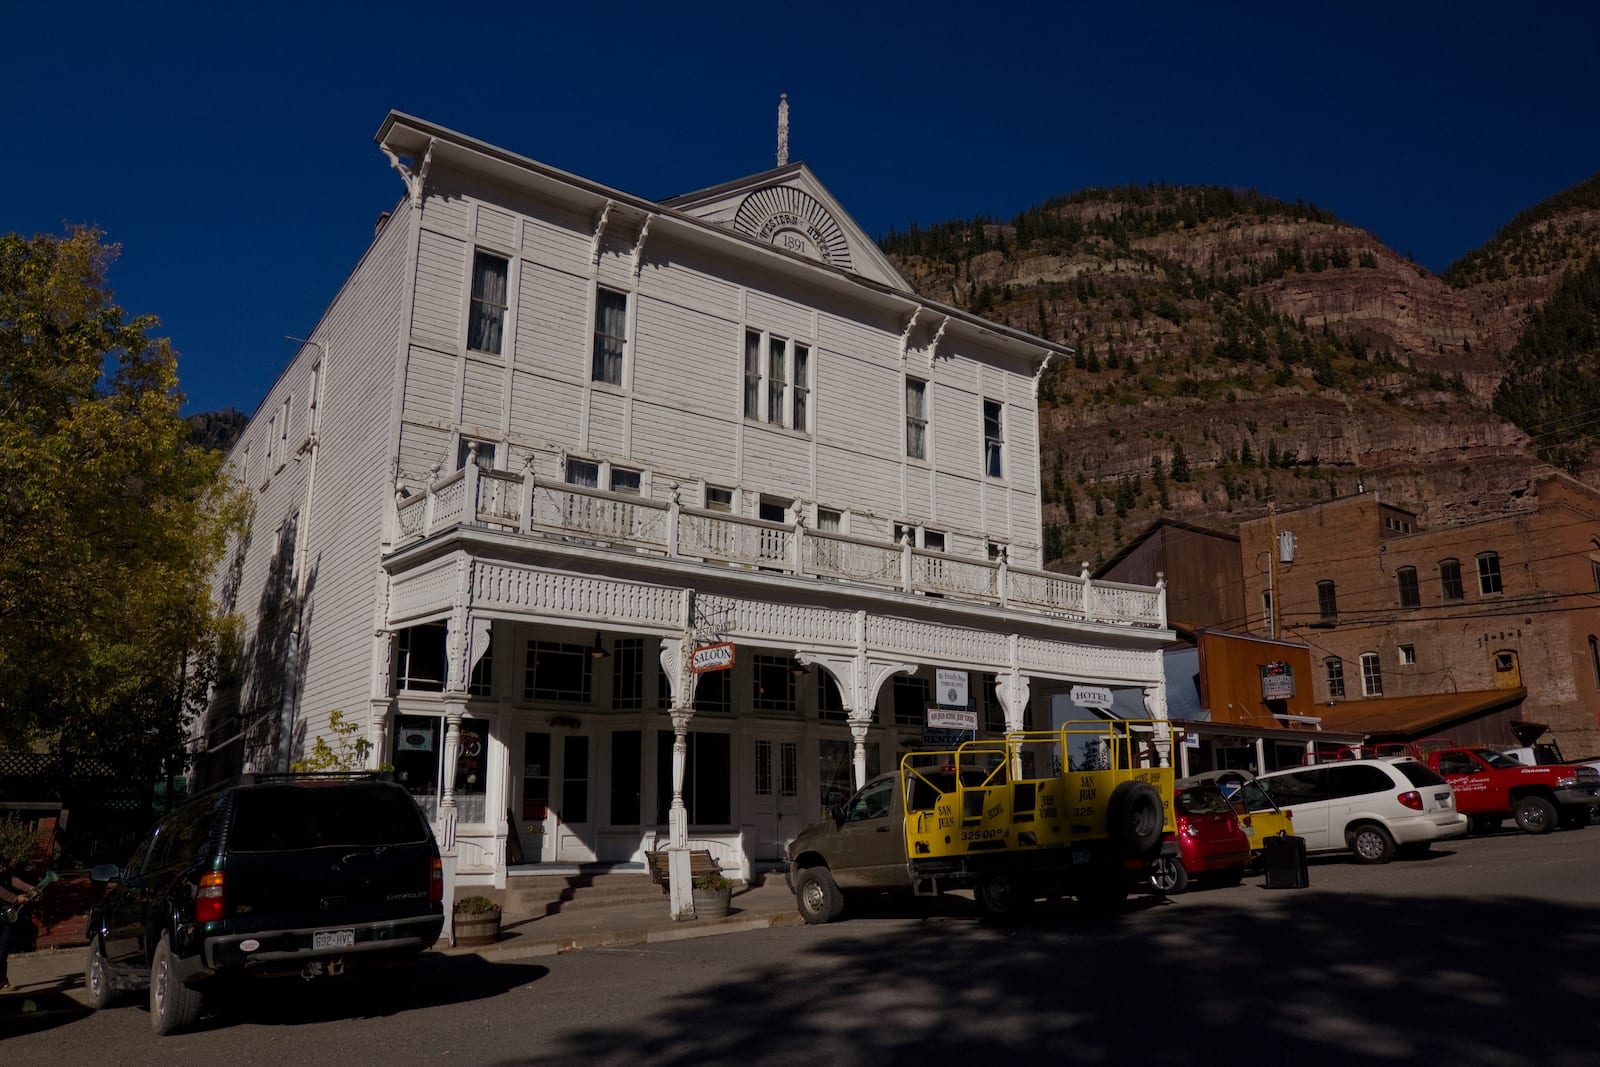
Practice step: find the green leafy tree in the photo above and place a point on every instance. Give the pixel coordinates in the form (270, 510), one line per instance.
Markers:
(112, 521)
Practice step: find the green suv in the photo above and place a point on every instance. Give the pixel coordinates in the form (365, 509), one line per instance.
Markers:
(302, 875)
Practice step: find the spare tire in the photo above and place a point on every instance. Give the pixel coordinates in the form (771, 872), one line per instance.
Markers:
(1134, 818)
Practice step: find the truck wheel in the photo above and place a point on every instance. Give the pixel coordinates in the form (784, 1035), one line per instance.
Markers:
(1535, 815)
(1134, 817)
(1000, 897)
(1169, 876)
(817, 896)
(173, 1005)
(1371, 843)
(97, 978)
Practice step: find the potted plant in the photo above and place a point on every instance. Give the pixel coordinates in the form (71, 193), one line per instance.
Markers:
(713, 895)
(477, 921)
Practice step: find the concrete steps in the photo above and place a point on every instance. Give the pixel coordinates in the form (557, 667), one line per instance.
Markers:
(530, 896)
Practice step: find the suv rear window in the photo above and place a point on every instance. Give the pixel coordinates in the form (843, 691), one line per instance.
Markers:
(1418, 773)
(284, 818)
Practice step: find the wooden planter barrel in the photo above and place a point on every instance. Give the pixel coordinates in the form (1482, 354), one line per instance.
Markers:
(712, 903)
(477, 928)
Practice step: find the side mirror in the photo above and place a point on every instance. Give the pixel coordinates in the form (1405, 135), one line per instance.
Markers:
(105, 872)
(838, 815)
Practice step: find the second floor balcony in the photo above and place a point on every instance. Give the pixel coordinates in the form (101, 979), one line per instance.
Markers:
(627, 522)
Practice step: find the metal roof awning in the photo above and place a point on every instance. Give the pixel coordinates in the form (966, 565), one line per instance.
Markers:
(1410, 717)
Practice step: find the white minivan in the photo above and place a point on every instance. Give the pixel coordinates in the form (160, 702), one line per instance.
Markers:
(1367, 806)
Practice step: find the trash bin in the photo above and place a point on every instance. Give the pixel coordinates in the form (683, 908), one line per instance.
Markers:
(1284, 861)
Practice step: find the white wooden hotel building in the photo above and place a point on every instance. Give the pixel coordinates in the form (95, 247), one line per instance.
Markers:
(549, 437)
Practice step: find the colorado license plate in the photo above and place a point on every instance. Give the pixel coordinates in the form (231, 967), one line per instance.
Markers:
(333, 938)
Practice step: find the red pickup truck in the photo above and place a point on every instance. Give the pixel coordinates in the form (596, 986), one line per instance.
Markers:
(1491, 787)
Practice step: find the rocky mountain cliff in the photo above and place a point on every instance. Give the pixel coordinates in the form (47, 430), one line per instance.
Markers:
(1233, 349)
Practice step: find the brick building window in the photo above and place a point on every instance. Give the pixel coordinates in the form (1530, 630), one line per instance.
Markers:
(1371, 675)
(1335, 669)
(1489, 574)
(1406, 580)
(1450, 579)
(1327, 602)
(1408, 655)
(1594, 658)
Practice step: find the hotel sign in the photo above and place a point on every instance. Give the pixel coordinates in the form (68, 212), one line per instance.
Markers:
(718, 657)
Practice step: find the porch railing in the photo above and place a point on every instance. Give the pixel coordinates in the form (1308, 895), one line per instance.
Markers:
(503, 500)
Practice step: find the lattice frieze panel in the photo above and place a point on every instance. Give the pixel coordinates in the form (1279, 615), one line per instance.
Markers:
(427, 590)
(1080, 661)
(782, 623)
(412, 512)
(450, 503)
(599, 599)
(925, 640)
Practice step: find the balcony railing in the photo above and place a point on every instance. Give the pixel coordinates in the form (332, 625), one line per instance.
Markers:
(502, 500)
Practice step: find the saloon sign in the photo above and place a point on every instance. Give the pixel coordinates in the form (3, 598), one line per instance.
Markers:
(717, 657)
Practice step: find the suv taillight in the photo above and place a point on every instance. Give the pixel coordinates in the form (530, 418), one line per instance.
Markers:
(436, 882)
(210, 901)
(1410, 799)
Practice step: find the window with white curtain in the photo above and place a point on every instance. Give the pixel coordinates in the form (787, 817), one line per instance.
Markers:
(610, 335)
(993, 439)
(916, 418)
(487, 321)
(777, 381)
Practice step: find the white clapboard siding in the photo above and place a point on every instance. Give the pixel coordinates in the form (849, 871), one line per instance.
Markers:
(607, 430)
(960, 502)
(877, 342)
(545, 411)
(431, 386)
(552, 323)
(784, 317)
(686, 278)
(921, 503)
(442, 266)
(496, 228)
(445, 213)
(858, 481)
(776, 462)
(424, 453)
(670, 439)
(483, 396)
(687, 358)
(860, 404)
(558, 239)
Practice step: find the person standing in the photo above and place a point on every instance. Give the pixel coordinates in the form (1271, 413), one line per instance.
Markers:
(13, 890)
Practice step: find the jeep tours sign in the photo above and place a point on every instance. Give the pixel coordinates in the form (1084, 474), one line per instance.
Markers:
(1277, 681)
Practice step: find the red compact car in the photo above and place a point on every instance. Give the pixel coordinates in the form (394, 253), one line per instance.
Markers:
(1211, 843)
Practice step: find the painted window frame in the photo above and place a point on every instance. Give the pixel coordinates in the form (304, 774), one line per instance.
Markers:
(779, 380)
(994, 438)
(1371, 674)
(609, 353)
(1333, 671)
(1490, 582)
(918, 424)
(480, 307)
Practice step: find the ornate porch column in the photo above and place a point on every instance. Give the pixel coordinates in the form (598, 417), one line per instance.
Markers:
(1012, 687)
(1155, 702)
(675, 663)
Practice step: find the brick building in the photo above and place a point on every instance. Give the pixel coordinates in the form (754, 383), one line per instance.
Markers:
(1496, 618)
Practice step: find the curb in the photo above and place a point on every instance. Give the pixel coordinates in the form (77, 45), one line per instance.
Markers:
(684, 931)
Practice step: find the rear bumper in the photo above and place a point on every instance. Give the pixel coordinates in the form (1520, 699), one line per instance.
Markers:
(289, 951)
(1428, 827)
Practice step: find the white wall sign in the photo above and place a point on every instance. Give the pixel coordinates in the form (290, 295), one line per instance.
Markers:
(952, 719)
(1092, 696)
(953, 689)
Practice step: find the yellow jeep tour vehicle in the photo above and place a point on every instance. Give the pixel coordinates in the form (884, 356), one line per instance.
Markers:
(1080, 811)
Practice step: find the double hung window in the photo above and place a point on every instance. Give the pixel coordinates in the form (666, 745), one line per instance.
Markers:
(1327, 602)
(610, 335)
(777, 381)
(1406, 580)
(993, 439)
(1489, 574)
(1450, 579)
(916, 418)
(1335, 668)
(487, 320)
(1371, 675)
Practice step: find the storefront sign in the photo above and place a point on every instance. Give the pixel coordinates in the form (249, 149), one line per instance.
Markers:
(952, 719)
(711, 658)
(953, 689)
(1092, 696)
(1277, 681)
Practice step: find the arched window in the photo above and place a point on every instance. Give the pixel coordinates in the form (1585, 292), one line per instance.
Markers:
(1450, 579)
(1327, 601)
(1406, 581)
(1371, 675)
(1489, 574)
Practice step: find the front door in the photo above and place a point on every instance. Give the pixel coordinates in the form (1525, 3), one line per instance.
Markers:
(557, 795)
(775, 808)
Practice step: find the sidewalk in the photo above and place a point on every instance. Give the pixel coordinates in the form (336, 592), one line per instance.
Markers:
(51, 980)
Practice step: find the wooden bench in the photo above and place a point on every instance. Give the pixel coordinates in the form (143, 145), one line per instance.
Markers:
(700, 862)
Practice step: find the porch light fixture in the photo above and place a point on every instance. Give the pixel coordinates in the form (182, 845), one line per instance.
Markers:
(598, 652)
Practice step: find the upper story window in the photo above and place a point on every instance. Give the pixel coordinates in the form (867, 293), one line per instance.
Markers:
(485, 453)
(624, 480)
(1450, 579)
(993, 438)
(1489, 574)
(610, 335)
(1327, 601)
(486, 322)
(558, 672)
(1594, 572)
(1407, 655)
(422, 663)
(1371, 675)
(583, 472)
(916, 418)
(777, 380)
(718, 498)
(1406, 581)
(1335, 671)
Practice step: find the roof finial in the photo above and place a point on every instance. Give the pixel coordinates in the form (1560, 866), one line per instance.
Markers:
(783, 129)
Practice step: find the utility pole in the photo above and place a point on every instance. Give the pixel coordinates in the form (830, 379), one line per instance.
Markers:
(1272, 570)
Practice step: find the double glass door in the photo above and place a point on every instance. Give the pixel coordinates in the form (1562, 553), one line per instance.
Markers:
(554, 823)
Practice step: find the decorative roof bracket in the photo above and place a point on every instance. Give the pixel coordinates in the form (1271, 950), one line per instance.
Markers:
(415, 178)
(1038, 375)
(933, 346)
(905, 337)
(638, 247)
(599, 233)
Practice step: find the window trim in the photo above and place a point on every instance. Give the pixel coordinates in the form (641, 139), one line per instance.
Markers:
(1371, 674)
(1489, 574)
(793, 401)
(1407, 587)
(596, 337)
(994, 461)
(1327, 601)
(918, 420)
(473, 301)
(1450, 579)
(1333, 673)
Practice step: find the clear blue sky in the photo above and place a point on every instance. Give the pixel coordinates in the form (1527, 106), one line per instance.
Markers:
(229, 150)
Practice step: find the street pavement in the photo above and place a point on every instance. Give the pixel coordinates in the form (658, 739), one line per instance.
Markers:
(49, 982)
